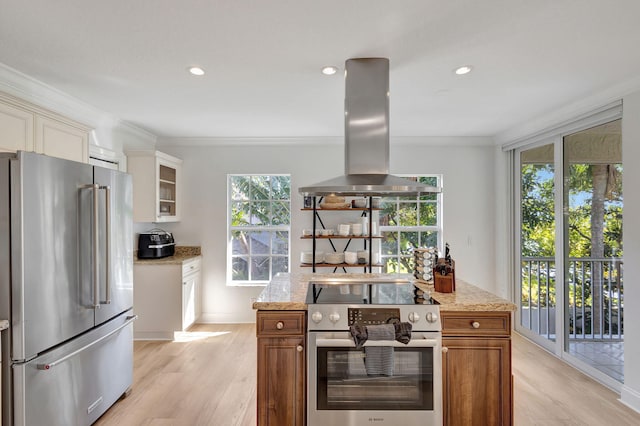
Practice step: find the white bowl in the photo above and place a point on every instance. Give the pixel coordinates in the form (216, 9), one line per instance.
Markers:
(360, 202)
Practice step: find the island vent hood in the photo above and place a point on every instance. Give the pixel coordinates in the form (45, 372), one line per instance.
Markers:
(366, 130)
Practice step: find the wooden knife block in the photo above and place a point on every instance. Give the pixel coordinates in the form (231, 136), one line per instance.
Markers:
(444, 283)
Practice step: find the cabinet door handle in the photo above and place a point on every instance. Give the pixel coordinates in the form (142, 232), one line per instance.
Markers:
(279, 325)
(445, 349)
(299, 348)
(475, 324)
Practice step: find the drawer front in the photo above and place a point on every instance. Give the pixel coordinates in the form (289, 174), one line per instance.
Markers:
(280, 323)
(191, 265)
(476, 323)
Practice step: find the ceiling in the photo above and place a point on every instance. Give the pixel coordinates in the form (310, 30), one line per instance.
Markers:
(263, 60)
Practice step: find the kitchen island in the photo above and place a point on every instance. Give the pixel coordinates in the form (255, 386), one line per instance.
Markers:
(476, 345)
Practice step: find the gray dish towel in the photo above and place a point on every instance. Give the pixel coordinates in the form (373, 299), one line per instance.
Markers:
(399, 331)
(379, 359)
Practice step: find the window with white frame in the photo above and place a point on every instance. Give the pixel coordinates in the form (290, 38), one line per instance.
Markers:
(410, 222)
(259, 210)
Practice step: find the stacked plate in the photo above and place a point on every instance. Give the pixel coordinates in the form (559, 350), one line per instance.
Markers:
(425, 259)
(334, 258)
(307, 257)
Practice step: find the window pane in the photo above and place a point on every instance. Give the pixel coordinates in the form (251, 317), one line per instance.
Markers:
(240, 269)
(429, 239)
(406, 264)
(391, 265)
(239, 187)
(260, 242)
(428, 214)
(239, 242)
(280, 243)
(281, 213)
(239, 214)
(279, 264)
(260, 213)
(389, 243)
(409, 241)
(260, 187)
(260, 268)
(407, 214)
(280, 187)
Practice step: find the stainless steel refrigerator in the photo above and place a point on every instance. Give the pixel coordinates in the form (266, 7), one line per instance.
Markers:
(66, 285)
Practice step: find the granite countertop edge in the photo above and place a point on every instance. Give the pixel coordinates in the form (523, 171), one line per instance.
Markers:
(182, 254)
(4, 324)
(287, 292)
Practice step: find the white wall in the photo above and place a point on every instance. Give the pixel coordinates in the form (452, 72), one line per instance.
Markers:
(631, 242)
(468, 202)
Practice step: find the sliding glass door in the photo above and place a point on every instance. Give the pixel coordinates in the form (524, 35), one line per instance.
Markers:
(570, 266)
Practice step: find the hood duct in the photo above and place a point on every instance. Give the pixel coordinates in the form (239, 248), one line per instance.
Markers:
(366, 130)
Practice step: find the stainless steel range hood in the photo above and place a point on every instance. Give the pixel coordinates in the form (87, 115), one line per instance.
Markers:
(366, 130)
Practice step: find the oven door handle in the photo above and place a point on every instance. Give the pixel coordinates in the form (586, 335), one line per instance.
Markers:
(348, 343)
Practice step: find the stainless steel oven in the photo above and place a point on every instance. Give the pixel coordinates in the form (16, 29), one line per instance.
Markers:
(384, 382)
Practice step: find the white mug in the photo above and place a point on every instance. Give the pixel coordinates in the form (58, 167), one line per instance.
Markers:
(343, 229)
(350, 257)
(356, 229)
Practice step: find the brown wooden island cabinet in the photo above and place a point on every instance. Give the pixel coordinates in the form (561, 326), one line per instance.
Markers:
(281, 367)
(477, 380)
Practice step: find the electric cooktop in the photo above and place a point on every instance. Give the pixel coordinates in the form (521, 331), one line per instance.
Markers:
(367, 293)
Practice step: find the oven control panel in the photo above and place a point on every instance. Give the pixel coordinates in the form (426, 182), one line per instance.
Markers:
(373, 316)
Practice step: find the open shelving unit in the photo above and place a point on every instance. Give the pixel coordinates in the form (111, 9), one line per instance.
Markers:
(367, 239)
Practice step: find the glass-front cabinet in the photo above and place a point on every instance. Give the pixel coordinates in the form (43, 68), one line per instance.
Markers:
(156, 186)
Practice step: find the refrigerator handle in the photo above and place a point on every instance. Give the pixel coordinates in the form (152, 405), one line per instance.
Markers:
(107, 190)
(50, 365)
(94, 252)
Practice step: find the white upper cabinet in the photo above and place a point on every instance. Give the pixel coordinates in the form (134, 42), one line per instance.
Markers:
(61, 140)
(16, 129)
(156, 186)
(27, 127)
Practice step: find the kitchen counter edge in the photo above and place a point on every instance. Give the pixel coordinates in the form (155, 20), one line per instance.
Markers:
(287, 292)
(4, 324)
(182, 254)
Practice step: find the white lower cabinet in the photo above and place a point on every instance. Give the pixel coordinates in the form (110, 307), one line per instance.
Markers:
(166, 297)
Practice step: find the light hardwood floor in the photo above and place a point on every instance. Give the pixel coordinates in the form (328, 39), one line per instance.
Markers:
(208, 377)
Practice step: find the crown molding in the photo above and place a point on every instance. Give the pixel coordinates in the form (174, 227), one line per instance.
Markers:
(251, 141)
(569, 112)
(29, 89)
(465, 141)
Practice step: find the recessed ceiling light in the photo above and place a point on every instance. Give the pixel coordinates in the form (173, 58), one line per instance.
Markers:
(329, 70)
(196, 70)
(465, 69)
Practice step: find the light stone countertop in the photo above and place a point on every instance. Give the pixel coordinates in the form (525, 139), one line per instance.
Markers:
(182, 253)
(288, 292)
(4, 324)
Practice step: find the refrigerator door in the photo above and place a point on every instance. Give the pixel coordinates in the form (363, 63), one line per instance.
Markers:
(115, 243)
(75, 383)
(50, 286)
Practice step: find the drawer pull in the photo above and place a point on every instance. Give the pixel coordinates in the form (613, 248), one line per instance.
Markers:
(445, 349)
(279, 325)
(299, 348)
(475, 324)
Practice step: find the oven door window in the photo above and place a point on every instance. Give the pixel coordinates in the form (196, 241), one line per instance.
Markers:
(375, 378)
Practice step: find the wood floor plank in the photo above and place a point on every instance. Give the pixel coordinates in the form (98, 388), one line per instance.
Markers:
(208, 378)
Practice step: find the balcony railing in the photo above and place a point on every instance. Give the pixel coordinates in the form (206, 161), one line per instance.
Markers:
(595, 296)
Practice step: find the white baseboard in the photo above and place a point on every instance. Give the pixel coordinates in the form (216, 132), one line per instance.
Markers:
(630, 398)
(217, 318)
